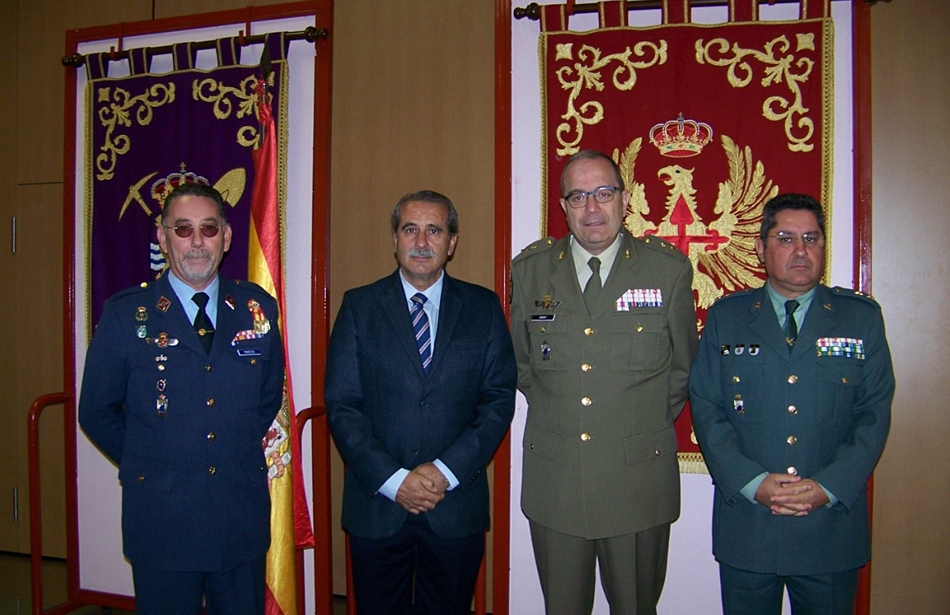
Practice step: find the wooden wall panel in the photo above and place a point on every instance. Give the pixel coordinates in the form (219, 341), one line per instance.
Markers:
(412, 109)
(911, 280)
(175, 8)
(39, 84)
(12, 455)
(38, 342)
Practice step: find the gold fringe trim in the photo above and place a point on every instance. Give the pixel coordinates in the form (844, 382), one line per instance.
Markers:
(692, 463)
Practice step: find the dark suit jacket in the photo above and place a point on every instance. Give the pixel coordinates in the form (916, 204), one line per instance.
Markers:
(603, 387)
(194, 482)
(386, 413)
(747, 402)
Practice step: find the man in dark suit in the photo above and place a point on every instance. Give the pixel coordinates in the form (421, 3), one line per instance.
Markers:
(791, 398)
(420, 385)
(605, 372)
(182, 379)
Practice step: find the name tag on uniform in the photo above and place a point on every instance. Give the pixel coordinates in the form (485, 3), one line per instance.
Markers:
(248, 352)
(542, 317)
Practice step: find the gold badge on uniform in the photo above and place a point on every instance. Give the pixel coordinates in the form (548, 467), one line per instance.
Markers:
(161, 406)
(163, 304)
(547, 303)
(261, 324)
(141, 314)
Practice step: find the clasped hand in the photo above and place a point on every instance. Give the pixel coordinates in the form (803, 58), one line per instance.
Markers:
(422, 489)
(786, 494)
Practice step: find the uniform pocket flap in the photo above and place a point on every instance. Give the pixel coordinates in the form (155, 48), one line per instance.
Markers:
(645, 447)
(541, 442)
(255, 468)
(147, 473)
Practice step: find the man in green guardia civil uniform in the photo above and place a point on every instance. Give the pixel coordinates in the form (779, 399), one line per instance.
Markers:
(791, 399)
(604, 329)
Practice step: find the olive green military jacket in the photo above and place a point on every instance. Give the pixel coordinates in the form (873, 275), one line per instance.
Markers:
(603, 387)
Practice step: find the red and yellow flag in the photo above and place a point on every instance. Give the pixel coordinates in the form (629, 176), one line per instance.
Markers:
(290, 517)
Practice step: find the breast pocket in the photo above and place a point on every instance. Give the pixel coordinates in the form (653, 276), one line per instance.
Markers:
(744, 389)
(549, 342)
(840, 379)
(639, 341)
(157, 378)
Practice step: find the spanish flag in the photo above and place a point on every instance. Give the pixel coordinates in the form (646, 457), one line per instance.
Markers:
(290, 517)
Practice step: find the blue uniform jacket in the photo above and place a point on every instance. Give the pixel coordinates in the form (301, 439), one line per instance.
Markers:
(824, 410)
(185, 428)
(386, 412)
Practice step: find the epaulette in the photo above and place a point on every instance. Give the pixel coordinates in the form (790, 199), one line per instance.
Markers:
(541, 245)
(656, 243)
(850, 292)
(125, 292)
(736, 293)
(252, 286)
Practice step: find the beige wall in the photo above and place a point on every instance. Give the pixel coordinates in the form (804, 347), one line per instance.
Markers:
(911, 280)
(412, 109)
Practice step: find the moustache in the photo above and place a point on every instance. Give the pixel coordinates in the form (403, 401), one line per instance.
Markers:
(198, 254)
(422, 252)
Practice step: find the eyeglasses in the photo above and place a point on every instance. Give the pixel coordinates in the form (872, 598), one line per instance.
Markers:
(604, 194)
(185, 230)
(789, 239)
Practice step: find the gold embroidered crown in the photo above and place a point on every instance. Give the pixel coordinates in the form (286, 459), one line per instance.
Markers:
(681, 138)
(164, 185)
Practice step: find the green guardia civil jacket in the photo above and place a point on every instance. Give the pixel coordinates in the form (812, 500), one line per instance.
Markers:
(603, 387)
(821, 411)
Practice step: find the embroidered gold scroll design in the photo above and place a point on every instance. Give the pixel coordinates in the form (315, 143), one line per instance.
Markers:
(781, 66)
(586, 74)
(225, 97)
(116, 111)
(725, 246)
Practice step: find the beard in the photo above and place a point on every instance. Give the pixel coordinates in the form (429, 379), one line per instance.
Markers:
(197, 266)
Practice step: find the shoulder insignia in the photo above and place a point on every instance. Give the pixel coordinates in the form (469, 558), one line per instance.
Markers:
(735, 294)
(131, 290)
(656, 243)
(536, 247)
(252, 286)
(850, 292)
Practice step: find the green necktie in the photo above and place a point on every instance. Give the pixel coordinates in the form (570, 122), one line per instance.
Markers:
(791, 329)
(593, 284)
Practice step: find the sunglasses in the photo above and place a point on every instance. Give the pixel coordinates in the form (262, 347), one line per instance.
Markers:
(184, 231)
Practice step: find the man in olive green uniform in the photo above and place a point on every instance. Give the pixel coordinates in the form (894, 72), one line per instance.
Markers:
(791, 399)
(604, 328)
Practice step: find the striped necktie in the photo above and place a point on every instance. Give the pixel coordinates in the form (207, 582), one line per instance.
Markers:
(420, 326)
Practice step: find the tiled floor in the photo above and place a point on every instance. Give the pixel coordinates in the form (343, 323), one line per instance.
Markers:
(15, 592)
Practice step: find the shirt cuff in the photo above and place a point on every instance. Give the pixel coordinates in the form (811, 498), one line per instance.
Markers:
(752, 486)
(391, 486)
(832, 500)
(447, 473)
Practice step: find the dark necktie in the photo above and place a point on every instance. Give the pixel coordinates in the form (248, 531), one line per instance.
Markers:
(593, 284)
(420, 326)
(791, 329)
(203, 326)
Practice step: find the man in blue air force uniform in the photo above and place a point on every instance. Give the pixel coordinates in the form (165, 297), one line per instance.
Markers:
(791, 398)
(179, 392)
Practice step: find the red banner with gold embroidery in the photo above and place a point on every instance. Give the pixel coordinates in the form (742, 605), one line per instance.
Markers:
(707, 122)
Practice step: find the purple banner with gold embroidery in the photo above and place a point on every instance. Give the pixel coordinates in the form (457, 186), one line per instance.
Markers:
(149, 132)
(706, 124)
